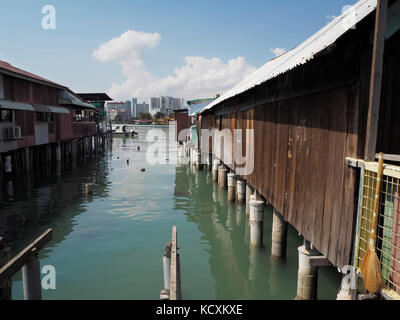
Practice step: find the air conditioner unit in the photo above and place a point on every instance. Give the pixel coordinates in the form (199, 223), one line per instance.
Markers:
(16, 133)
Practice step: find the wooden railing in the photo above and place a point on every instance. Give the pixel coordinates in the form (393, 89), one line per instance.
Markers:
(28, 260)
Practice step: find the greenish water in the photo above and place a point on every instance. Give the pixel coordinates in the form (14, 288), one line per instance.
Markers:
(110, 246)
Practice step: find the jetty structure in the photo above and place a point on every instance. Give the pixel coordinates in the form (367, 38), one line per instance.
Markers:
(312, 122)
(42, 122)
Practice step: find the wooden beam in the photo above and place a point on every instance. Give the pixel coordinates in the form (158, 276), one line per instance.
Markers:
(376, 80)
(390, 157)
(319, 261)
(175, 281)
(15, 264)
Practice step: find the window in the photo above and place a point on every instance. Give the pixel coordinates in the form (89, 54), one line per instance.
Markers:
(6, 116)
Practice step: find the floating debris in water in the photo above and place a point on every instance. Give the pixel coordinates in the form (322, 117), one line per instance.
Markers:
(143, 170)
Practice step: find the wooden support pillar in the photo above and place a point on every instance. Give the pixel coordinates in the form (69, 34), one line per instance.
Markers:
(27, 165)
(376, 80)
(5, 291)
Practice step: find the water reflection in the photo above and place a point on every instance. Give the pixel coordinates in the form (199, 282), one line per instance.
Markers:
(240, 270)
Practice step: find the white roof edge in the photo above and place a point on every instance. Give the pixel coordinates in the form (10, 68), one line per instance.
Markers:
(304, 52)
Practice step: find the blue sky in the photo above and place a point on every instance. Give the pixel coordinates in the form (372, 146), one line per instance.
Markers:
(222, 29)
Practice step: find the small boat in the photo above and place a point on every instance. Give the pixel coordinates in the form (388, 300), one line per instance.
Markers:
(123, 130)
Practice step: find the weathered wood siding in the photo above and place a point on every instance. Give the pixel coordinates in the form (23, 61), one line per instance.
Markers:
(306, 123)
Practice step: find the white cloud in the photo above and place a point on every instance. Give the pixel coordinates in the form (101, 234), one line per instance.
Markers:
(278, 51)
(198, 77)
(330, 17)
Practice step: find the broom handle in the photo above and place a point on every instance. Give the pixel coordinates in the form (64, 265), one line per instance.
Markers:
(374, 224)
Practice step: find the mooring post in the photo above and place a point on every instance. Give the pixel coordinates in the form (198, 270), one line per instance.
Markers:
(31, 278)
(256, 223)
(5, 291)
(222, 176)
(279, 236)
(249, 192)
(241, 191)
(307, 278)
(231, 187)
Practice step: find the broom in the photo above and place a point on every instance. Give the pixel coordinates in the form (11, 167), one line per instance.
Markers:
(370, 265)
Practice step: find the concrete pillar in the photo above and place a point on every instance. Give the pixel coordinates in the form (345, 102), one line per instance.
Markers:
(215, 168)
(307, 278)
(279, 236)
(58, 153)
(256, 223)
(222, 177)
(31, 279)
(199, 165)
(231, 187)
(249, 192)
(167, 266)
(241, 191)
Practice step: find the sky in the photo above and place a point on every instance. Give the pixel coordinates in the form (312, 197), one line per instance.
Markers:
(139, 48)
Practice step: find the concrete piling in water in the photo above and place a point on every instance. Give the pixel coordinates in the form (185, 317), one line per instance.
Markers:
(215, 168)
(199, 164)
(222, 176)
(58, 153)
(241, 191)
(256, 223)
(307, 278)
(164, 295)
(279, 236)
(231, 187)
(31, 279)
(249, 192)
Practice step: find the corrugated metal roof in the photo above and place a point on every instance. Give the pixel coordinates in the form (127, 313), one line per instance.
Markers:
(67, 97)
(304, 52)
(196, 108)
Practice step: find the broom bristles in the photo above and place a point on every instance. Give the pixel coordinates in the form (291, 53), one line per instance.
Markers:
(371, 271)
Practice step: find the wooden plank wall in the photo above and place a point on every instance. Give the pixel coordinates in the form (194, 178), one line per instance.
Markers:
(300, 150)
